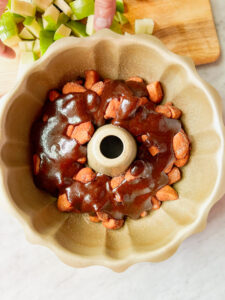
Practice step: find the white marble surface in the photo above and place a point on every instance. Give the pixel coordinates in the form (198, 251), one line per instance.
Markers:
(196, 271)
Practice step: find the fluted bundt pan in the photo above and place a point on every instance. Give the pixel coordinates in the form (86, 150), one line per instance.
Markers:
(76, 240)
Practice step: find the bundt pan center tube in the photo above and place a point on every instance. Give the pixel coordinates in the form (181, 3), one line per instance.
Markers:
(76, 240)
(111, 150)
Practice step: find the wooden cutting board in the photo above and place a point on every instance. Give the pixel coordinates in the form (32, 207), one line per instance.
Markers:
(185, 26)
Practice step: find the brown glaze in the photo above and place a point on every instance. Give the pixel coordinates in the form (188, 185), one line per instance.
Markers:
(59, 153)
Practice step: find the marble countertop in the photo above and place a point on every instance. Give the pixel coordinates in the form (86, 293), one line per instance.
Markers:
(196, 271)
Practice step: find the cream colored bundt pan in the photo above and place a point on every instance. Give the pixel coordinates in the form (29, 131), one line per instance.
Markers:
(75, 240)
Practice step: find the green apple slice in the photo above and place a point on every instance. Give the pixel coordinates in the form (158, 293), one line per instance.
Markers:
(120, 6)
(40, 22)
(120, 18)
(50, 18)
(32, 25)
(90, 25)
(25, 34)
(8, 30)
(82, 8)
(8, 24)
(46, 39)
(18, 19)
(78, 29)
(73, 17)
(42, 5)
(61, 4)
(63, 19)
(61, 32)
(37, 49)
(26, 45)
(116, 17)
(12, 41)
(26, 60)
(116, 27)
(23, 8)
(144, 26)
(9, 5)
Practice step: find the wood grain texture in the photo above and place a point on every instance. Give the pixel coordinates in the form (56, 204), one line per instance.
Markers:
(185, 26)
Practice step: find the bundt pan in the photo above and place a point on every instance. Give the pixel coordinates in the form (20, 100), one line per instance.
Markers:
(73, 238)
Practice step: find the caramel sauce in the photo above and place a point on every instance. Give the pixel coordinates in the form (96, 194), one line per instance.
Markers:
(58, 153)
